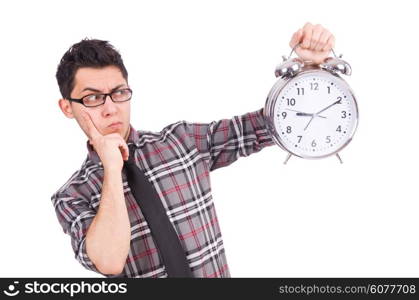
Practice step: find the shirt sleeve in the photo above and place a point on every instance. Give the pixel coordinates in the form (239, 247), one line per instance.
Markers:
(223, 142)
(75, 216)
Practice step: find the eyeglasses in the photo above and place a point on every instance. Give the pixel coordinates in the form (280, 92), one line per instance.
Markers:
(93, 100)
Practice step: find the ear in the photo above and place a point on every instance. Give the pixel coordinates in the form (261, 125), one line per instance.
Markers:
(66, 108)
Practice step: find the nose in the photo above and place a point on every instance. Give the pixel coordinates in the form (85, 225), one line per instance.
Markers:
(109, 107)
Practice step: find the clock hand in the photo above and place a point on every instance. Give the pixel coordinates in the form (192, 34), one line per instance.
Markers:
(303, 114)
(309, 122)
(328, 106)
(317, 114)
(296, 111)
(309, 115)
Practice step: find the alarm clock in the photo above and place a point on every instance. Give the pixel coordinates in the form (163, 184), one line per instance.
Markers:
(311, 112)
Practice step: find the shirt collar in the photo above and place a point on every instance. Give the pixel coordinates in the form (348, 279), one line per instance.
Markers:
(133, 138)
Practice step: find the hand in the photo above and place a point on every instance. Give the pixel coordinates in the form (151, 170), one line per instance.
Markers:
(111, 148)
(315, 43)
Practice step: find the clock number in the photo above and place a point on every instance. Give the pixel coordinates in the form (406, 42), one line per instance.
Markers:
(284, 115)
(290, 101)
(300, 91)
(313, 143)
(328, 89)
(343, 114)
(289, 129)
(328, 139)
(314, 86)
(339, 129)
(340, 100)
(299, 138)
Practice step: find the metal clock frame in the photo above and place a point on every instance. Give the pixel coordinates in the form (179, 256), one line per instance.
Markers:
(294, 69)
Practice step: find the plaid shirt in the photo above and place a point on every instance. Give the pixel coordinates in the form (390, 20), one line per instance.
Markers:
(177, 161)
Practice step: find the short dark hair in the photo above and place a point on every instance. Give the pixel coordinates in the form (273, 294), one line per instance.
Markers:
(87, 53)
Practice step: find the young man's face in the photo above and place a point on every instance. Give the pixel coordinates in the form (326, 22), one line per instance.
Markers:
(104, 80)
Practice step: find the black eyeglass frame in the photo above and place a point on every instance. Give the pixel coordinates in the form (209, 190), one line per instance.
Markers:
(104, 99)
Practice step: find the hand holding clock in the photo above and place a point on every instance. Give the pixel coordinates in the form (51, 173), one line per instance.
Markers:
(315, 43)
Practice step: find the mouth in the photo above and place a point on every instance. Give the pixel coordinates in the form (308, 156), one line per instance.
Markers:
(115, 125)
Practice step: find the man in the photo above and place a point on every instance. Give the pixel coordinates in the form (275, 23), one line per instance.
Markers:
(96, 207)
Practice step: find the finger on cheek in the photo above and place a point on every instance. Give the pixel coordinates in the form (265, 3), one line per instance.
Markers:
(85, 118)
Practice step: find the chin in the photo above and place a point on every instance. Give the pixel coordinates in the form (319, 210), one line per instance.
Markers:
(121, 131)
(110, 130)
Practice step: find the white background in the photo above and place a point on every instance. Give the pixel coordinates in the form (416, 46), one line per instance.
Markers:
(207, 60)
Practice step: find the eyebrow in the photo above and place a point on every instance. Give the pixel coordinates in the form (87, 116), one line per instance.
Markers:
(99, 91)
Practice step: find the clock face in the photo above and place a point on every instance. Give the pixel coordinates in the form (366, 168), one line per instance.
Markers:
(315, 114)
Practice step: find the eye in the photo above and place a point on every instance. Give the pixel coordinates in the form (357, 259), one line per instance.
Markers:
(121, 95)
(123, 92)
(90, 98)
